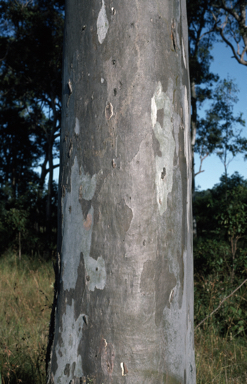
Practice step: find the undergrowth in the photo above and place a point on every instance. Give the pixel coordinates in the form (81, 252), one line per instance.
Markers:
(26, 288)
(220, 360)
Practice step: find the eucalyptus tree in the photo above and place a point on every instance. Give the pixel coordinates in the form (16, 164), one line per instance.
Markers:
(230, 23)
(221, 130)
(123, 307)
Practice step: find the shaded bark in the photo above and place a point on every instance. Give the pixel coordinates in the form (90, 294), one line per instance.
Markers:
(123, 309)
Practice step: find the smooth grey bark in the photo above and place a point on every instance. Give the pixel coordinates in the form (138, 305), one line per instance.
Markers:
(123, 310)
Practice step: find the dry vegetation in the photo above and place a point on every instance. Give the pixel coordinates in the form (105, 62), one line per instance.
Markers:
(26, 295)
(220, 360)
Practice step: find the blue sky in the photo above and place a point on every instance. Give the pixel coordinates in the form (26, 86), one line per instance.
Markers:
(224, 65)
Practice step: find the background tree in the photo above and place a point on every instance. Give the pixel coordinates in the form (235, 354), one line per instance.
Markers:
(124, 248)
(30, 76)
(219, 131)
(201, 39)
(230, 23)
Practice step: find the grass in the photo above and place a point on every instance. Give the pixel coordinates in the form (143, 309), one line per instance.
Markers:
(220, 360)
(26, 288)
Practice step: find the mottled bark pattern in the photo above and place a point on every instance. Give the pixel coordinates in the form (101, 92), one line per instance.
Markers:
(124, 309)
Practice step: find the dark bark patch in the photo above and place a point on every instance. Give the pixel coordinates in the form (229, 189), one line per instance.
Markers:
(85, 207)
(67, 370)
(70, 148)
(160, 116)
(163, 173)
(124, 215)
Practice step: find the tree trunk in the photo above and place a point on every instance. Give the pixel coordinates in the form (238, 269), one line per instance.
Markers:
(123, 309)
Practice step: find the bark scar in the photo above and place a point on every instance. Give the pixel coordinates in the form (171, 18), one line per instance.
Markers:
(173, 36)
(108, 110)
(124, 369)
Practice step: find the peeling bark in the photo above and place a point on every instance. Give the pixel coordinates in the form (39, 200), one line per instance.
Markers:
(123, 310)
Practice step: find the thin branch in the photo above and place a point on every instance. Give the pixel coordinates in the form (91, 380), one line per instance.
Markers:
(201, 161)
(231, 11)
(240, 60)
(243, 53)
(239, 57)
(231, 294)
(206, 33)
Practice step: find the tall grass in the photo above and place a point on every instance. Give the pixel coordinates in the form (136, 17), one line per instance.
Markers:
(26, 294)
(220, 342)
(26, 289)
(220, 360)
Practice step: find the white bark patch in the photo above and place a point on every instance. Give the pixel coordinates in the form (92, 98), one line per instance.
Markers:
(164, 163)
(186, 123)
(183, 50)
(187, 150)
(77, 126)
(77, 233)
(102, 24)
(122, 368)
(172, 294)
(67, 350)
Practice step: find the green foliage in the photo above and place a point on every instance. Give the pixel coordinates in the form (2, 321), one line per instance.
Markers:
(220, 255)
(26, 215)
(17, 219)
(234, 217)
(219, 131)
(200, 45)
